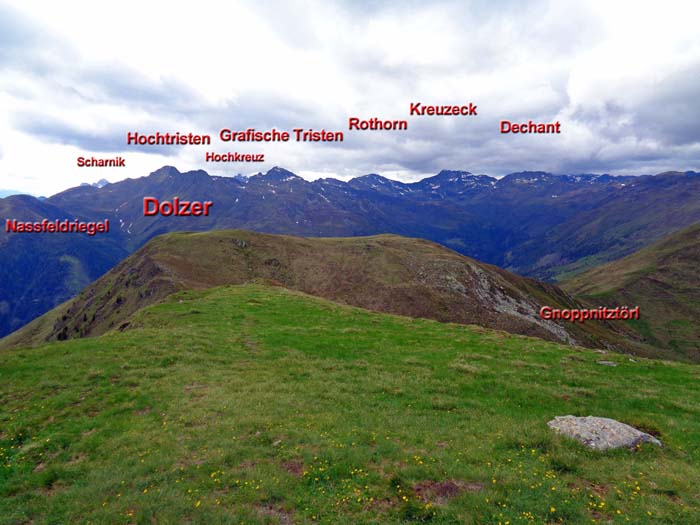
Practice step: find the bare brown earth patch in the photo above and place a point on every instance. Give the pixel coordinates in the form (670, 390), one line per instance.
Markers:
(77, 458)
(381, 505)
(597, 489)
(440, 491)
(601, 517)
(283, 516)
(294, 467)
(190, 462)
(52, 489)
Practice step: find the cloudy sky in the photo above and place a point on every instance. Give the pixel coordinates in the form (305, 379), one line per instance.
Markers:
(622, 77)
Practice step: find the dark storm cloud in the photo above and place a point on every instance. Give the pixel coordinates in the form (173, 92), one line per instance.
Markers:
(671, 112)
(665, 112)
(258, 110)
(57, 132)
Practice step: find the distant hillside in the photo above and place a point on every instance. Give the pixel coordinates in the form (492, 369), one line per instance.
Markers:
(383, 273)
(664, 280)
(531, 223)
(37, 272)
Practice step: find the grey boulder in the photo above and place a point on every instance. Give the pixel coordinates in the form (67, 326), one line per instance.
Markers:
(601, 433)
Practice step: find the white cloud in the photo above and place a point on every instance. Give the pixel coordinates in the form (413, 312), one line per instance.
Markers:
(76, 76)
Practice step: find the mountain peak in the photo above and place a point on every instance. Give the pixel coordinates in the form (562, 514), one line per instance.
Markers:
(378, 183)
(454, 174)
(165, 171)
(99, 184)
(280, 174)
(454, 182)
(369, 178)
(528, 177)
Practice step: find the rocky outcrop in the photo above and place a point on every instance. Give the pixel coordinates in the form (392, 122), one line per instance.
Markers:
(601, 433)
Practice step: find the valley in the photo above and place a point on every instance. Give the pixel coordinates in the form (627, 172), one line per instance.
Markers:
(532, 223)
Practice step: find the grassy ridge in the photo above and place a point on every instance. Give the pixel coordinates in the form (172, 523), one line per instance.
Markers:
(259, 405)
(664, 281)
(383, 273)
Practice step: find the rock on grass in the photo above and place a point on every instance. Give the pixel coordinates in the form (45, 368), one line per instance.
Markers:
(601, 433)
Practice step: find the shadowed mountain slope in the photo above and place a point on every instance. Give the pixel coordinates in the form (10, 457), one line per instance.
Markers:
(532, 223)
(385, 273)
(664, 281)
(38, 271)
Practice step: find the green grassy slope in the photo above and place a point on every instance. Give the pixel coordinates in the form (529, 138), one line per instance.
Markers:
(664, 280)
(384, 273)
(261, 405)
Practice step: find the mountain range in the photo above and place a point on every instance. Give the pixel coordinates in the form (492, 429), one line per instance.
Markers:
(532, 223)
